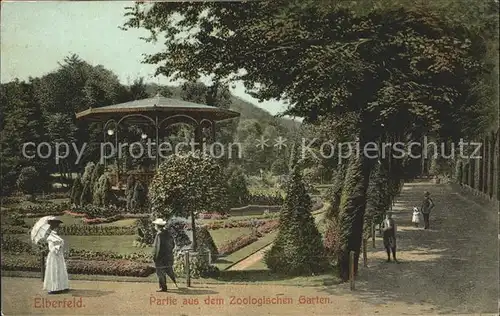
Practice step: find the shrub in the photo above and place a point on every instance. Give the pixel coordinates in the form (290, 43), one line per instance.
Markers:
(28, 179)
(237, 187)
(199, 264)
(298, 248)
(8, 181)
(262, 199)
(145, 231)
(188, 183)
(332, 241)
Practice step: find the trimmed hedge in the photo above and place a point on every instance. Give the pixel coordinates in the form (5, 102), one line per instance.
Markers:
(44, 209)
(92, 267)
(237, 244)
(89, 230)
(8, 229)
(15, 245)
(235, 224)
(83, 254)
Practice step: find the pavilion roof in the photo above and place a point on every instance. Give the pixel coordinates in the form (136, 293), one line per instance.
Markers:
(160, 106)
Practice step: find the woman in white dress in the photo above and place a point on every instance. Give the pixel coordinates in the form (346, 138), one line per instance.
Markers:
(56, 274)
(415, 219)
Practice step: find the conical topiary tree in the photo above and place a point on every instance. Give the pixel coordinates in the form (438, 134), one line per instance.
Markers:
(76, 191)
(96, 175)
(298, 248)
(140, 196)
(87, 191)
(103, 195)
(129, 191)
(378, 197)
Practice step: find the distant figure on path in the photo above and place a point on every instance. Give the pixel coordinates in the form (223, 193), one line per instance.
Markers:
(415, 219)
(427, 206)
(163, 254)
(389, 236)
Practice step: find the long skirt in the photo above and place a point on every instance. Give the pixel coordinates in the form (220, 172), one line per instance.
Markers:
(56, 274)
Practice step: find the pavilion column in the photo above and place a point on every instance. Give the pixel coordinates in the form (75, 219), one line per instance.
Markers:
(198, 137)
(157, 140)
(212, 131)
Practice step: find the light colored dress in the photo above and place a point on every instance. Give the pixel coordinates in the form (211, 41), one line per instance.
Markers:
(56, 274)
(416, 217)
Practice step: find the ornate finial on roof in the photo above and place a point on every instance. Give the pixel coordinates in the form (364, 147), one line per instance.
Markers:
(157, 96)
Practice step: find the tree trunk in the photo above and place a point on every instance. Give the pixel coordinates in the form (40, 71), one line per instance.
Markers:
(492, 164)
(480, 185)
(486, 158)
(193, 229)
(352, 209)
(473, 173)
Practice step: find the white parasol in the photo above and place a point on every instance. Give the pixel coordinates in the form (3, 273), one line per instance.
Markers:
(41, 229)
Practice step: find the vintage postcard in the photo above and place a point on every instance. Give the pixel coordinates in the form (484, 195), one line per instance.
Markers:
(270, 157)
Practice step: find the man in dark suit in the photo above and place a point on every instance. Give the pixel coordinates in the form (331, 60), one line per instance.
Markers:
(163, 254)
(389, 236)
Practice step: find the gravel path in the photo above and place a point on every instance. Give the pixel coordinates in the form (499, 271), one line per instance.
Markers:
(450, 269)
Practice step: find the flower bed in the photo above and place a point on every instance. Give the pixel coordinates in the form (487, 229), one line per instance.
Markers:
(268, 226)
(102, 220)
(237, 244)
(235, 224)
(8, 229)
(109, 267)
(44, 209)
(75, 214)
(91, 230)
(92, 211)
(14, 245)
(212, 216)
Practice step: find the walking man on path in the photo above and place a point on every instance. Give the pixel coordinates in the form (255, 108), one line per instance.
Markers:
(163, 248)
(389, 236)
(427, 206)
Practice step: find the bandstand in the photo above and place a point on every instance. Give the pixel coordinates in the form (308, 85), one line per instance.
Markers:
(154, 116)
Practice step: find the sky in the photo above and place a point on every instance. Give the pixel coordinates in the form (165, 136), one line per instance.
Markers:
(35, 36)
